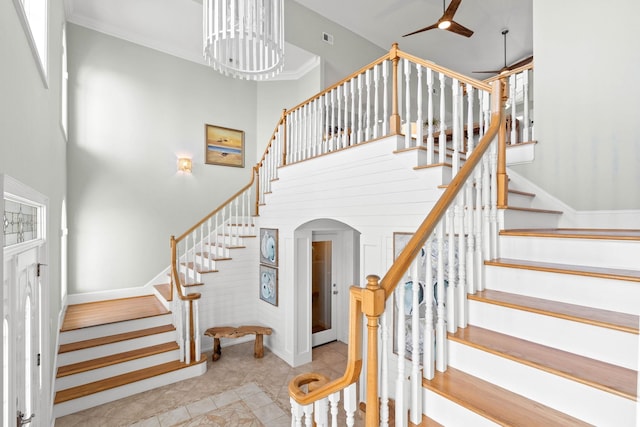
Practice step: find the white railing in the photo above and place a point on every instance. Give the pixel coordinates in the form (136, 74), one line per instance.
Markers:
(328, 411)
(196, 252)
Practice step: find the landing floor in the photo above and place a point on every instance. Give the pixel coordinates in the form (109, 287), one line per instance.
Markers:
(237, 390)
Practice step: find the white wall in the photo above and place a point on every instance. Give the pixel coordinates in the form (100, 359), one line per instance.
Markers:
(32, 145)
(586, 58)
(133, 111)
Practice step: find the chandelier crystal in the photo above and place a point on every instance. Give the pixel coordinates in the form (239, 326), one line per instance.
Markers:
(244, 38)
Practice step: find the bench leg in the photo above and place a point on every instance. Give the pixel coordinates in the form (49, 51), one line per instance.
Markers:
(258, 350)
(217, 351)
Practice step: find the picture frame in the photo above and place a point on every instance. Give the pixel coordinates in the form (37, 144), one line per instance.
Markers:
(269, 246)
(268, 282)
(223, 146)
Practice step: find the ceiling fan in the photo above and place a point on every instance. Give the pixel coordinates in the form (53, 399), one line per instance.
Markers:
(446, 21)
(506, 68)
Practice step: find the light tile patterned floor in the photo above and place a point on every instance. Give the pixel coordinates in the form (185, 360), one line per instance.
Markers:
(236, 390)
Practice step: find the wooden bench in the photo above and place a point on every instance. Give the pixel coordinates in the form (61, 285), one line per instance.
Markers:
(233, 332)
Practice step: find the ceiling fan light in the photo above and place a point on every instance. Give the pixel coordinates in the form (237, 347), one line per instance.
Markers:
(443, 25)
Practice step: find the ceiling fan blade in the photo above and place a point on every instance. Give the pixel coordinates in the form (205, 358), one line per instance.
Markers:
(459, 29)
(520, 63)
(451, 10)
(430, 27)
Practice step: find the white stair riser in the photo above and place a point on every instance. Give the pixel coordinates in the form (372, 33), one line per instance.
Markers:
(114, 328)
(607, 294)
(510, 218)
(573, 398)
(77, 356)
(519, 200)
(106, 396)
(450, 414)
(590, 252)
(611, 346)
(69, 381)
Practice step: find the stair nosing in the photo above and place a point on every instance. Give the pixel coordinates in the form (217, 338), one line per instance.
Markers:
(120, 380)
(535, 210)
(111, 339)
(579, 270)
(114, 359)
(481, 296)
(580, 233)
(547, 368)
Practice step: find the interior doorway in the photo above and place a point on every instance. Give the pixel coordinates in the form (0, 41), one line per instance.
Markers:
(324, 289)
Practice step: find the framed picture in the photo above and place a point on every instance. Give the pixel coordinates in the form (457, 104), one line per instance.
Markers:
(269, 284)
(224, 146)
(269, 246)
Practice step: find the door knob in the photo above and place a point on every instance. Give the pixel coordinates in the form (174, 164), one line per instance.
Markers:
(22, 420)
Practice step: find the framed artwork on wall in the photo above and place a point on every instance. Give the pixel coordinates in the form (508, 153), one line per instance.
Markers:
(223, 146)
(269, 284)
(269, 246)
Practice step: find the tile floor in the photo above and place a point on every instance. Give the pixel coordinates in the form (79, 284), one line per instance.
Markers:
(236, 390)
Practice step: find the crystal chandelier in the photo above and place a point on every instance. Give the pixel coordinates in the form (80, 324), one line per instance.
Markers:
(244, 38)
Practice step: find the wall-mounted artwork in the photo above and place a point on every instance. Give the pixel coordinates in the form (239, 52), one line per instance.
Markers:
(224, 146)
(269, 246)
(269, 284)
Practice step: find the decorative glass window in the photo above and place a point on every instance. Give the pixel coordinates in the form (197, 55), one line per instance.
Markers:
(20, 222)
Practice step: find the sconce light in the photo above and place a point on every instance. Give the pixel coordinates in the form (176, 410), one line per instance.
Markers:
(184, 164)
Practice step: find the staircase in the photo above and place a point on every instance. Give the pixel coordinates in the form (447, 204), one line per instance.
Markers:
(553, 340)
(115, 348)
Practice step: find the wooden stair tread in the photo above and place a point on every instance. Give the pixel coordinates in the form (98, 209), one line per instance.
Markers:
(435, 165)
(521, 193)
(212, 257)
(593, 316)
(576, 233)
(197, 268)
(101, 362)
(120, 380)
(224, 245)
(604, 376)
(183, 280)
(97, 313)
(582, 270)
(164, 290)
(490, 401)
(95, 342)
(545, 211)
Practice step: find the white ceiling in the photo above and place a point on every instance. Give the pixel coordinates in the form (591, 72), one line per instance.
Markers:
(175, 27)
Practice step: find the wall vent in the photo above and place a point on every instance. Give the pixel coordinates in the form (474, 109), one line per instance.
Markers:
(327, 38)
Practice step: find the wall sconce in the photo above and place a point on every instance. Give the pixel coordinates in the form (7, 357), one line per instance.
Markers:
(184, 165)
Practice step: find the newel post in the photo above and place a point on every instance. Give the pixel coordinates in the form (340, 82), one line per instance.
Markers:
(394, 120)
(373, 298)
(503, 179)
(283, 120)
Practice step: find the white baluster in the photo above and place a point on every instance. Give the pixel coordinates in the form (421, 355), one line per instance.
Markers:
(317, 127)
(429, 358)
(385, 100)
(376, 101)
(512, 96)
(334, 130)
(327, 124)
(196, 329)
(400, 411)
(353, 139)
(360, 111)
(308, 415)
(419, 121)
(384, 369)
(430, 129)
(236, 229)
(461, 294)
(334, 400)
(525, 91)
(452, 317)
(296, 413)
(470, 137)
(441, 327)
(320, 416)
(407, 112)
(194, 236)
(416, 375)
(368, 122)
(478, 258)
(493, 163)
(442, 140)
(299, 133)
(455, 137)
(350, 404)
(344, 92)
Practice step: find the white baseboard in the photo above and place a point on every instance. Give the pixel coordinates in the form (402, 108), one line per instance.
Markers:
(572, 218)
(106, 295)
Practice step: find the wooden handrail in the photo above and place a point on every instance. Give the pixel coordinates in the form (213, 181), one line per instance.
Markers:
(417, 241)
(175, 277)
(273, 137)
(219, 208)
(520, 69)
